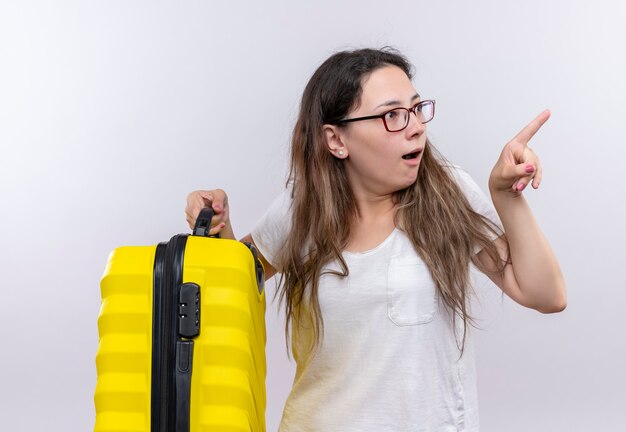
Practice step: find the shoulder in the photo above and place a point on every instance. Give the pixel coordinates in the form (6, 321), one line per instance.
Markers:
(279, 211)
(460, 175)
(283, 202)
(271, 231)
(468, 185)
(475, 195)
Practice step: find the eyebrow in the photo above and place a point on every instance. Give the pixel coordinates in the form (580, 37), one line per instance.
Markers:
(396, 102)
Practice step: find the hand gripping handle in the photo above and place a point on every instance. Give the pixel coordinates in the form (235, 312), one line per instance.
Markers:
(203, 223)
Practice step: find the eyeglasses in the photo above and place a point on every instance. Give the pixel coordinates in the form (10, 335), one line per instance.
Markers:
(397, 119)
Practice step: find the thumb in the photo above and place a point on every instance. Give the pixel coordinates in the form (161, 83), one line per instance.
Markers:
(217, 205)
(218, 201)
(512, 172)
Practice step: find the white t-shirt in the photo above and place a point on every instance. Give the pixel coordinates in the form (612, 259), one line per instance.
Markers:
(389, 360)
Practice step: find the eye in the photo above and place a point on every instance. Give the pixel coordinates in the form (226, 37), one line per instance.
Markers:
(391, 115)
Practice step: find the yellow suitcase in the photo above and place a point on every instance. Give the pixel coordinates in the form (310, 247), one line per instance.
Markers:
(182, 337)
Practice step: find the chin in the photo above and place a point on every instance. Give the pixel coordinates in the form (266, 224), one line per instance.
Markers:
(409, 182)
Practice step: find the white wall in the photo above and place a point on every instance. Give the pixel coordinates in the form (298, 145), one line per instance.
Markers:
(111, 112)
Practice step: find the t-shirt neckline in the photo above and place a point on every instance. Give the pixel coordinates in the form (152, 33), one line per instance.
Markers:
(373, 250)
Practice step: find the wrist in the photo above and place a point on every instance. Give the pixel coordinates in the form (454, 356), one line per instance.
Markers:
(505, 197)
(227, 231)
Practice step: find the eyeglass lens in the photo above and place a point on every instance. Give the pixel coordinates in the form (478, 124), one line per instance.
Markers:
(398, 118)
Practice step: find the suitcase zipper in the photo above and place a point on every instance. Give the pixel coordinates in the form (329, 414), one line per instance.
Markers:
(168, 267)
(188, 315)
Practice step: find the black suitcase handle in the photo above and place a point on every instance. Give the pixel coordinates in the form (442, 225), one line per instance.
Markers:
(203, 223)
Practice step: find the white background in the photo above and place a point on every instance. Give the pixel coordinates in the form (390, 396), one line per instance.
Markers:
(111, 112)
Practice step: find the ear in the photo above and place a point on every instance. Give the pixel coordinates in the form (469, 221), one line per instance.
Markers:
(334, 142)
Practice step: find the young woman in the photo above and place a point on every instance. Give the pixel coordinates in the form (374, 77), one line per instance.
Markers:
(374, 237)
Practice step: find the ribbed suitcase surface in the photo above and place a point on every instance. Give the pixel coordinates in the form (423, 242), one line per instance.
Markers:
(228, 376)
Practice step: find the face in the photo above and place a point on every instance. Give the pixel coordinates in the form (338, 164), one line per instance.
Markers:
(377, 161)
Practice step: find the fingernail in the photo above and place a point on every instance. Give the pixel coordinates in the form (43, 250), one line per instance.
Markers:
(530, 168)
(520, 187)
(222, 225)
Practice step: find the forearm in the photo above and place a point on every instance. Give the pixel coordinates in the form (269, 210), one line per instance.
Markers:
(535, 268)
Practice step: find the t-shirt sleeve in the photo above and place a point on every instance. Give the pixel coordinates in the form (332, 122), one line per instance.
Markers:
(270, 232)
(478, 200)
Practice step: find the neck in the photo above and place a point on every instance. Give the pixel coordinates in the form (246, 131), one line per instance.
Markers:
(371, 208)
(374, 221)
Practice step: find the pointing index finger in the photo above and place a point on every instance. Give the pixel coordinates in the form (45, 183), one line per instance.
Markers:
(527, 133)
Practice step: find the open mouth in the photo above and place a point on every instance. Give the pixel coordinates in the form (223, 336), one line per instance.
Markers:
(411, 155)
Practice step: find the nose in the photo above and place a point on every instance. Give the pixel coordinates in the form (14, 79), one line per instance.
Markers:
(415, 126)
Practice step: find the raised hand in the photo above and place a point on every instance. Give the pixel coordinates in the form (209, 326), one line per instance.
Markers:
(518, 164)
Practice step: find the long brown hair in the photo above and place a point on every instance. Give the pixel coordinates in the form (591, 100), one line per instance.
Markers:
(433, 212)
